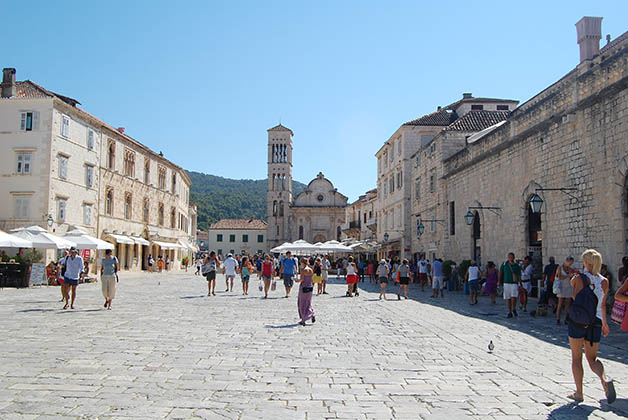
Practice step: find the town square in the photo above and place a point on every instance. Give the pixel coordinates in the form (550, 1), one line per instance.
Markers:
(338, 210)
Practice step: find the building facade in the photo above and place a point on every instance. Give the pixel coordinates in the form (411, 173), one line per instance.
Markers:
(238, 236)
(67, 166)
(360, 217)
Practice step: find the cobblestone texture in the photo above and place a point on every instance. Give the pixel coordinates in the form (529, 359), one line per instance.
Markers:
(166, 351)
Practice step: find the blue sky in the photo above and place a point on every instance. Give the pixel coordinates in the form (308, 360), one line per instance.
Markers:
(203, 80)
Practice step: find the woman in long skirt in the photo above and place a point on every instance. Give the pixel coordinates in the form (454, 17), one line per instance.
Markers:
(304, 302)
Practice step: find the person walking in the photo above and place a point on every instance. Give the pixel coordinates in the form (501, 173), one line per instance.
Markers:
(589, 336)
(208, 270)
(151, 264)
(474, 274)
(246, 269)
(304, 301)
(564, 290)
(160, 263)
(267, 274)
(382, 275)
(509, 278)
(403, 271)
(490, 287)
(198, 267)
(61, 272)
(230, 265)
(73, 265)
(549, 275)
(317, 279)
(526, 282)
(325, 267)
(289, 269)
(422, 268)
(622, 296)
(109, 267)
(352, 278)
(437, 278)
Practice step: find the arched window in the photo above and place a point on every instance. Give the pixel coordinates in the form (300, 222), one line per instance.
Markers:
(161, 214)
(147, 171)
(109, 202)
(275, 208)
(300, 232)
(173, 218)
(338, 233)
(146, 210)
(111, 155)
(280, 208)
(174, 183)
(128, 206)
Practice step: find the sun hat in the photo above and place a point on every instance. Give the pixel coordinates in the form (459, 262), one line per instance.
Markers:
(383, 261)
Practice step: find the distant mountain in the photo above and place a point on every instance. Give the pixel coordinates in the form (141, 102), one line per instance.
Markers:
(217, 197)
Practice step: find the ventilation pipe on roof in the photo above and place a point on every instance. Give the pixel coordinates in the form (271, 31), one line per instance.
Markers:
(8, 87)
(467, 95)
(589, 31)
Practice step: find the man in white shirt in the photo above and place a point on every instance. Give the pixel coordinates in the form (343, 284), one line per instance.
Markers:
(230, 266)
(325, 266)
(73, 264)
(422, 267)
(526, 281)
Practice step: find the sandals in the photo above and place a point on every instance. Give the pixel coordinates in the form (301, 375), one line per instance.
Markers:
(574, 398)
(611, 395)
(66, 306)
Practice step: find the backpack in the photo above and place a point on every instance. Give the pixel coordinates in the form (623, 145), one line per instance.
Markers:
(583, 310)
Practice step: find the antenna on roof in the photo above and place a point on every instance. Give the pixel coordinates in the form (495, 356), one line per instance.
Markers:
(280, 120)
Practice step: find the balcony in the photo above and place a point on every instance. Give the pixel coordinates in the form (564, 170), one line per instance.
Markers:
(371, 224)
(351, 228)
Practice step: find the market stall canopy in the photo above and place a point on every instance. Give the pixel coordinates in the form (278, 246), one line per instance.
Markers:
(41, 238)
(167, 245)
(121, 239)
(140, 241)
(334, 246)
(11, 241)
(281, 247)
(85, 241)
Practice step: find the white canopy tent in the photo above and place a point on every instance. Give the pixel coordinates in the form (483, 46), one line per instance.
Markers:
(332, 247)
(85, 241)
(41, 238)
(281, 247)
(11, 241)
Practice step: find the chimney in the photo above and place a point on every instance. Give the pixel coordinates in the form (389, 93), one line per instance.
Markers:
(589, 31)
(438, 108)
(121, 130)
(467, 95)
(8, 88)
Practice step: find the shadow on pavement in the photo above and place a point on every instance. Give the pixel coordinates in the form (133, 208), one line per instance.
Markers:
(282, 326)
(192, 297)
(37, 310)
(573, 411)
(614, 347)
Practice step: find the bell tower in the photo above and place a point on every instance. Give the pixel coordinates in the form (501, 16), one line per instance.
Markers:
(279, 196)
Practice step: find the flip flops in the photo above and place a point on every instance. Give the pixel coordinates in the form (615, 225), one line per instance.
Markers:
(611, 395)
(575, 399)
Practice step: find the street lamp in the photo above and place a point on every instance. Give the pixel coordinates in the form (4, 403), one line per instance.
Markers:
(468, 218)
(50, 221)
(420, 229)
(386, 236)
(536, 203)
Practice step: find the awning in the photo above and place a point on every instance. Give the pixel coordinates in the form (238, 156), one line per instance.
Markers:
(140, 241)
(186, 245)
(167, 245)
(121, 239)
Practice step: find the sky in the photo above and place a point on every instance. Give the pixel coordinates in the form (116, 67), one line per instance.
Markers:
(202, 81)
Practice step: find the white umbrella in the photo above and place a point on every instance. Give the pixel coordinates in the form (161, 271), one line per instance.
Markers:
(334, 246)
(40, 238)
(281, 247)
(84, 241)
(11, 241)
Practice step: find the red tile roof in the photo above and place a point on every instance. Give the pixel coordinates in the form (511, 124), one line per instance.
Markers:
(239, 224)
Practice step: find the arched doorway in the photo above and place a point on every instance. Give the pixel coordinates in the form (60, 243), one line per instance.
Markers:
(535, 238)
(476, 234)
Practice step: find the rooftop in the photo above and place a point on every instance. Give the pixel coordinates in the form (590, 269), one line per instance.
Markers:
(478, 120)
(442, 117)
(239, 224)
(280, 128)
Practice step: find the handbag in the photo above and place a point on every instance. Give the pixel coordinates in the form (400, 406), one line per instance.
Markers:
(522, 292)
(556, 286)
(260, 286)
(307, 289)
(619, 312)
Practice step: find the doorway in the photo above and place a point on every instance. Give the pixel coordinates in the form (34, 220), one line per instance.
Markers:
(535, 240)
(476, 235)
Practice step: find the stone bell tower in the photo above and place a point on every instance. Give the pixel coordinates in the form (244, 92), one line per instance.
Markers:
(279, 196)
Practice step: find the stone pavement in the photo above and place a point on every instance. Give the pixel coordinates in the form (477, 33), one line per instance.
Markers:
(166, 351)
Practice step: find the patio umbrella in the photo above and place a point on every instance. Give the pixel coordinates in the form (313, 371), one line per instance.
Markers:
(302, 247)
(84, 241)
(11, 241)
(41, 238)
(333, 247)
(281, 247)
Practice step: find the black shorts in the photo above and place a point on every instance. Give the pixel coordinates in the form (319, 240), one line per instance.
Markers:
(592, 334)
(210, 276)
(404, 280)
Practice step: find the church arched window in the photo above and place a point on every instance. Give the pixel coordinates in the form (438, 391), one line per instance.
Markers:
(283, 182)
(275, 208)
(281, 208)
(338, 233)
(301, 232)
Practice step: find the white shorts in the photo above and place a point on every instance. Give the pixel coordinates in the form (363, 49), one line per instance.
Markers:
(324, 275)
(527, 285)
(437, 283)
(511, 290)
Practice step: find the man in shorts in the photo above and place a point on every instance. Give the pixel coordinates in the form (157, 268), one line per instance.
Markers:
(289, 268)
(509, 278)
(209, 271)
(325, 267)
(437, 278)
(73, 268)
(230, 265)
(422, 268)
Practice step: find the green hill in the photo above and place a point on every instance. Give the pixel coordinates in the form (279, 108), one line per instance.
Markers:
(217, 197)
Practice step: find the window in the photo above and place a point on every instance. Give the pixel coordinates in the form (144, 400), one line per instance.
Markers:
(300, 232)
(417, 189)
(432, 181)
(128, 206)
(477, 107)
(90, 139)
(174, 183)
(219, 239)
(433, 223)
(274, 208)
(147, 171)
(22, 207)
(61, 209)
(109, 202)
(452, 218)
(111, 155)
(245, 238)
(379, 164)
(219, 251)
(277, 230)
(162, 178)
(89, 175)
(173, 218)
(63, 167)
(392, 184)
(129, 163)
(392, 219)
(385, 188)
(399, 146)
(65, 126)
(280, 208)
(399, 179)
(29, 120)
(231, 238)
(24, 163)
(502, 107)
(364, 217)
(161, 214)
(146, 210)
(260, 238)
(425, 139)
(87, 214)
(392, 152)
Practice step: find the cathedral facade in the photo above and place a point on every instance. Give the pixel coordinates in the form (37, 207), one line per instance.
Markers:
(315, 215)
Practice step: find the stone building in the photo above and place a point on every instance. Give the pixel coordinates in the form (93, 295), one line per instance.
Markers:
(64, 165)
(360, 220)
(567, 145)
(394, 167)
(238, 236)
(315, 215)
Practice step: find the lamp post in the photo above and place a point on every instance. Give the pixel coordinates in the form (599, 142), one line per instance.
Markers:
(536, 204)
(420, 229)
(50, 221)
(468, 218)
(386, 237)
